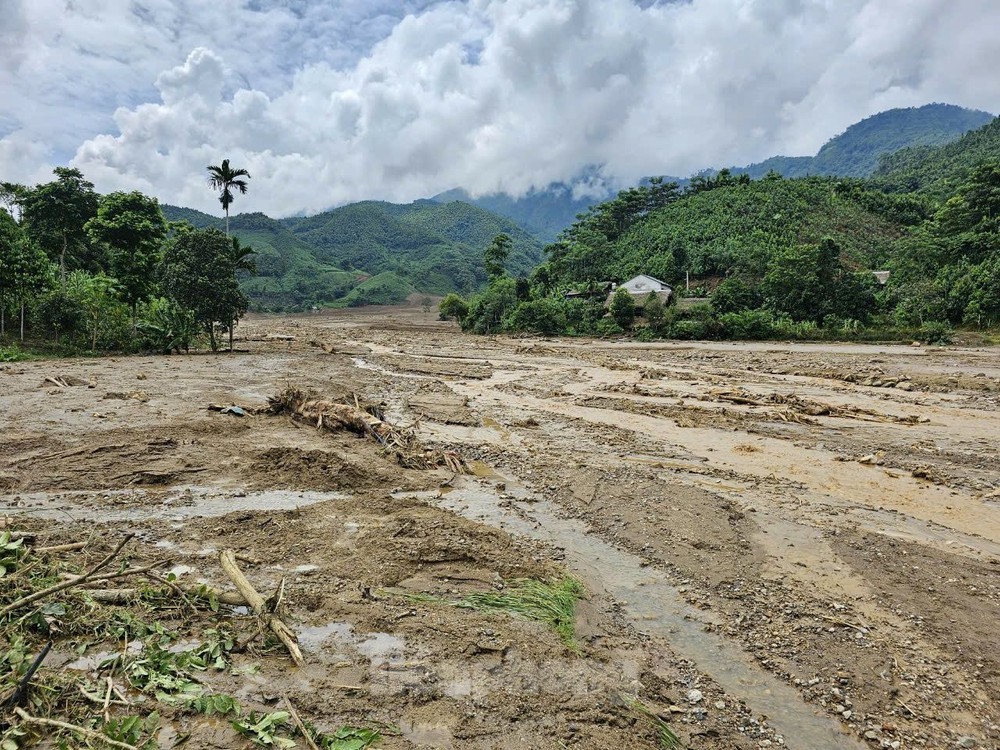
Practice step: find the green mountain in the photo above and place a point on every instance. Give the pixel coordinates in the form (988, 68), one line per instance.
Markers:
(544, 213)
(938, 171)
(425, 246)
(735, 225)
(856, 151)
(289, 277)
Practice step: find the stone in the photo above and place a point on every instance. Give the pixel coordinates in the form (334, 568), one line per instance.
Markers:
(695, 696)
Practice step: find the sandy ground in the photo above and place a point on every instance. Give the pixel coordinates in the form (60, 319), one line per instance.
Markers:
(792, 545)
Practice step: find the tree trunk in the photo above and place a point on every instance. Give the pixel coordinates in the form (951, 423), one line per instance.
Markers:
(3, 316)
(227, 221)
(230, 336)
(22, 321)
(211, 337)
(62, 261)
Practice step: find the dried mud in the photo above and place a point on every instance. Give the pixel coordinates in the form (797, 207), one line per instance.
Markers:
(783, 545)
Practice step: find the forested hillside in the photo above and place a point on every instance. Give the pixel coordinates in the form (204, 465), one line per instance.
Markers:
(938, 172)
(426, 246)
(856, 151)
(368, 253)
(779, 257)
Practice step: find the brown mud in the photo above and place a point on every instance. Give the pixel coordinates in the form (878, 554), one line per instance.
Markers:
(782, 545)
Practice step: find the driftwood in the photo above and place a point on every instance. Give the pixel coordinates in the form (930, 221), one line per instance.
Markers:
(306, 734)
(82, 731)
(256, 602)
(365, 420)
(122, 596)
(75, 581)
(71, 547)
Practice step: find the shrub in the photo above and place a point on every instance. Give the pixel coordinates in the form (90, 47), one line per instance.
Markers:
(544, 316)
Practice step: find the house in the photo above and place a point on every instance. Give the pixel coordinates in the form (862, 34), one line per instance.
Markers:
(641, 286)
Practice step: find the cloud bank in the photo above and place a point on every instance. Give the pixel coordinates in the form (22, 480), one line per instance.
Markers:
(400, 102)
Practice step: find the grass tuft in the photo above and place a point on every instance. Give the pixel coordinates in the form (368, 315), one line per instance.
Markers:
(551, 603)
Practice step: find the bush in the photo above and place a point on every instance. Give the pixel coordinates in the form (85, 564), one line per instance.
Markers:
(544, 316)
(623, 308)
(453, 306)
(749, 324)
(165, 326)
(935, 333)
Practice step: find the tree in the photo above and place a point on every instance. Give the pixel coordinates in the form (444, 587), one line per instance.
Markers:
(242, 264)
(453, 306)
(24, 269)
(653, 311)
(225, 179)
(495, 257)
(97, 297)
(132, 227)
(623, 308)
(199, 273)
(54, 215)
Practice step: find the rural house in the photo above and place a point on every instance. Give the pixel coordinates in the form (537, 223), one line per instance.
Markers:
(641, 286)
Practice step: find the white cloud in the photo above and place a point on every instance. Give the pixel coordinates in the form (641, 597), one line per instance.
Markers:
(494, 94)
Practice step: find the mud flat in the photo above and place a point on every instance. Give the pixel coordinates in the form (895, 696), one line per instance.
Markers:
(781, 545)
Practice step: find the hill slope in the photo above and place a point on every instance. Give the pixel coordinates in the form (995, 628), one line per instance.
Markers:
(544, 213)
(433, 247)
(938, 171)
(289, 277)
(856, 151)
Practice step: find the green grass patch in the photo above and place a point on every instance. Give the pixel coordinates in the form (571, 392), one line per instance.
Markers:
(551, 603)
(665, 736)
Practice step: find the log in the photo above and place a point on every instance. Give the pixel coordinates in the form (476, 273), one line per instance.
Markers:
(123, 596)
(256, 602)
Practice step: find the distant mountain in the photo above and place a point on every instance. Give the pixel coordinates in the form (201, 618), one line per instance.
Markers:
(289, 277)
(544, 213)
(425, 246)
(938, 171)
(368, 253)
(856, 151)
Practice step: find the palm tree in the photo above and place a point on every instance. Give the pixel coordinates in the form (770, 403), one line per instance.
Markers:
(225, 179)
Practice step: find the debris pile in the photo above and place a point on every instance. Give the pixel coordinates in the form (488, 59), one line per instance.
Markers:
(364, 419)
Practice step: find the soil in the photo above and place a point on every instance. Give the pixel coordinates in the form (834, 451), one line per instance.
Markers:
(782, 544)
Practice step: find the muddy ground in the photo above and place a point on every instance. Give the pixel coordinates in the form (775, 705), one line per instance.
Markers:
(792, 545)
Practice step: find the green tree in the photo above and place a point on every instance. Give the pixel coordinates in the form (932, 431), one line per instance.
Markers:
(24, 270)
(225, 179)
(453, 307)
(243, 265)
(54, 215)
(623, 308)
(199, 273)
(97, 298)
(133, 229)
(653, 311)
(495, 257)
(488, 310)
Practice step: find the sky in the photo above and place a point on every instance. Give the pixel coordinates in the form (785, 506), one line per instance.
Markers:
(326, 102)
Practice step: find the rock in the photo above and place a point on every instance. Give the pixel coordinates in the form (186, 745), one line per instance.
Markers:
(720, 705)
(966, 742)
(695, 696)
(871, 735)
(905, 385)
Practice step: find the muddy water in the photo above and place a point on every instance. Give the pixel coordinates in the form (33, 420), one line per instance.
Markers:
(137, 505)
(655, 606)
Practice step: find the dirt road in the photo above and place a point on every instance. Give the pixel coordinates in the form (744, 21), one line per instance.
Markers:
(792, 545)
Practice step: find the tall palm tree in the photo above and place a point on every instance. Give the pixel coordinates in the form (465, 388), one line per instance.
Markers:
(225, 180)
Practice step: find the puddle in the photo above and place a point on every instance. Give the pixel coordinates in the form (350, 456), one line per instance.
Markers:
(378, 648)
(179, 505)
(91, 662)
(656, 608)
(430, 735)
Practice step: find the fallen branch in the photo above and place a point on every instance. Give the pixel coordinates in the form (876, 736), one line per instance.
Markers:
(20, 693)
(306, 734)
(123, 596)
(256, 602)
(25, 601)
(83, 731)
(71, 547)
